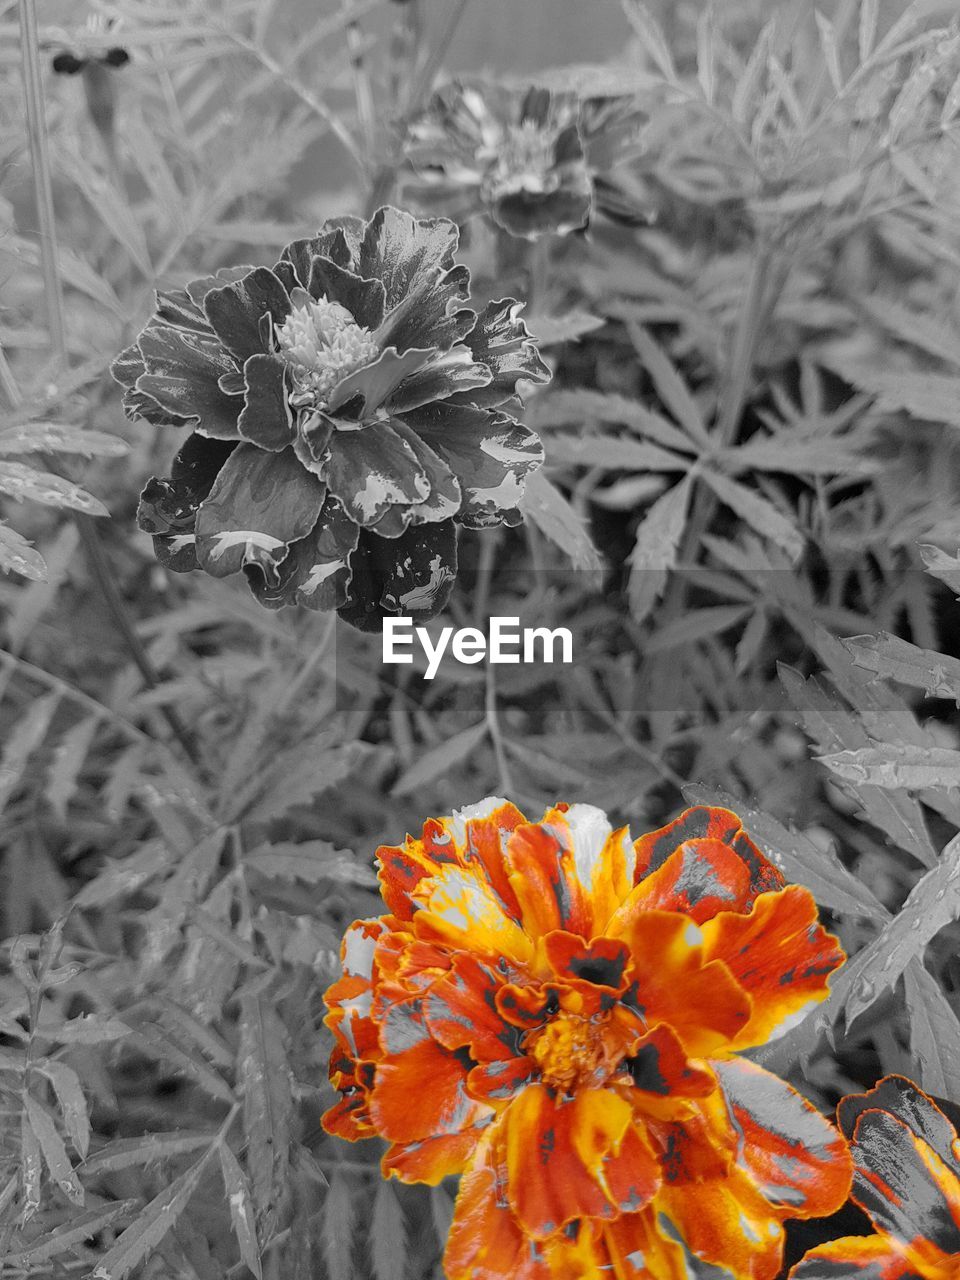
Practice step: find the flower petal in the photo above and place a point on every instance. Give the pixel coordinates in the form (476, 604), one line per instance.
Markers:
(259, 504)
(790, 1151)
(442, 502)
(459, 907)
(674, 983)
(726, 1223)
(266, 420)
(700, 878)
(181, 378)
(448, 373)
(905, 1187)
(365, 299)
(375, 381)
(557, 1156)
(780, 954)
(460, 1011)
(243, 314)
(412, 575)
(370, 469)
(705, 822)
(485, 1240)
(316, 572)
(433, 1159)
(406, 253)
(501, 341)
(405, 1111)
(660, 1066)
(633, 1249)
(907, 1101)
(544, 881)
(531, 214)
(168, 508)
(489, 453)
(855, 1258)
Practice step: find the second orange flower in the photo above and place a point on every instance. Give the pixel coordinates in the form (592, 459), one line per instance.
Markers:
(556, 1012)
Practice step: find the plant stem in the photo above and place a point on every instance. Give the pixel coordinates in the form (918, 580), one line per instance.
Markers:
(53, 290)
(496, 736)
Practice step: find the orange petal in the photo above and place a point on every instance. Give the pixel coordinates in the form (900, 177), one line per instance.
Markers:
(704, 822)
(544, 880)
(602, 863)
(726, 1222)
(402, 867)
(485, 1240)
(699, 878)
(636, 1250)
(557, 1152)
(780, 954)
(597, 968)
(701, 1146)
(673, 983)
(908, 1102)
(793, 1154)
(421, 1093)
(659, 1066)
(460, 1010)
(484, 837)
(855, 1258)
(433, 1159)
(459, 907)
(496, 1081)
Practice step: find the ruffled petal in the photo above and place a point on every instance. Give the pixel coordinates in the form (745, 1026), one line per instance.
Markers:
(501, 341)
(433, 1159)
(266, 420)
(544, 881)
(373, 383)
(244, 314)
(727, 1222)
(557, 1155)
(705, 822)
(365, 299)
(855, 1258)
(260, 503)
(168, 507)
(699, 878)
(780, 954)
(485, 1240)
(905, 1187)
(659, 1065)
(316, 571)
(489, 453)
(182, 369)
(906, 1100)
(411, 575)
(443, 500)
(674, 983)
(632, 1248)
(406, 253)
(449, 373)
(370, 469)
(402, 867)
(795, 1157)
(404, 1109)
(461, 1012)
(459, 907)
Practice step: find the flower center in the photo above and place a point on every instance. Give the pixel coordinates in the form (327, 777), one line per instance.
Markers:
(525, 157)
(322, 343)
(569, 1051)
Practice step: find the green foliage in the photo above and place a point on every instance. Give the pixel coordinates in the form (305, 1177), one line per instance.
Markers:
(748, 521)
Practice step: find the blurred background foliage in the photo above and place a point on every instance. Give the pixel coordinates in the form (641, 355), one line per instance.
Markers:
(751, 444)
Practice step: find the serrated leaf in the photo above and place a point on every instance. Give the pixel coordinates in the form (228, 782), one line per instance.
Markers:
(933, 397)
(31, 1170)
(831, 52)
(697, 624)
(800, 860)
(72, 1102)
(32, 604)
(885, 655)
(894, 765)
(76, 1230)
(655, 548)
(942, 566)
(23, 482)
(651, 37)
(549, 510)
(263, 1075)
(85, 1028)
(56, 437)
(69, 757)
(760, 514)
(670, 387)
(339, 1222)
(934, 1032)
(614, 453)
(388, 1236)
(241, 1210)
(310, 862)
(585, 407)
(550, 331)
(54, 1151)
(867, 27)
(17, 555)
(149, 1148)
(439, 759)
(22, 740)
(933, 902)
(143, 1235)
(798, 457)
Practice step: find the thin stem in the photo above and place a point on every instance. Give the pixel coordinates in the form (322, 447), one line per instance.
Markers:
(36, 127)
(496, 735)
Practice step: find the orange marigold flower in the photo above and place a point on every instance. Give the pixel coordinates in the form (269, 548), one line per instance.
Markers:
(556, 1012)
(906, 1158)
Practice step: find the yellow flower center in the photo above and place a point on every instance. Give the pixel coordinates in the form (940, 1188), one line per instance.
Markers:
(569, 1052)
(322, 343)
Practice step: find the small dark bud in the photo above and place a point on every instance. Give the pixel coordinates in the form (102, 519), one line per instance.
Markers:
(68, 64)
(116, 57)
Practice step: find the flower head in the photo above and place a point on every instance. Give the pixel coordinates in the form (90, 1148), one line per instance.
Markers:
(537, 161)
(556, 1012)
(906, 1159)
(347, 409)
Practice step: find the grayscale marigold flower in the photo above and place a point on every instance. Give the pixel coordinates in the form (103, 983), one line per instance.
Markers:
(347, 410)
(539, 162)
